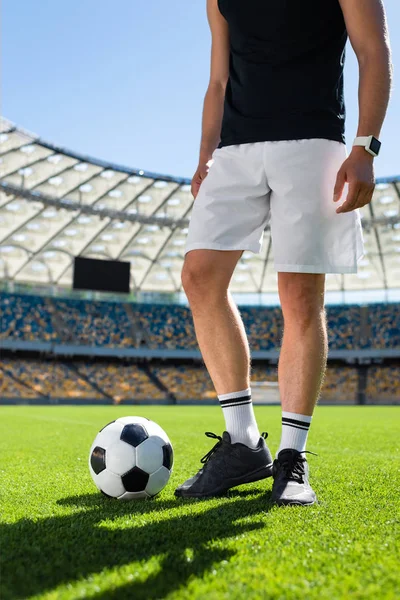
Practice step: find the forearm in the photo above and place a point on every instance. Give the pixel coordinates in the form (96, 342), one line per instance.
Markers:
(211, 121)
(374, 91)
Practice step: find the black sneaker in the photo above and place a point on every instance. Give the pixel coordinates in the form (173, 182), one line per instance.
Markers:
(290, 473)
(227, 465)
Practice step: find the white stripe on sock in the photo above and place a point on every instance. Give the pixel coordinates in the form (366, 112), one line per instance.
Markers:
(294, 437)
(235, 394)
(296, 416)
(240, 420)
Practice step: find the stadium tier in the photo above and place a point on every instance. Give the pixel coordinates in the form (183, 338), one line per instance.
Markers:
(116, 382)
(113, 324)
(76, 327)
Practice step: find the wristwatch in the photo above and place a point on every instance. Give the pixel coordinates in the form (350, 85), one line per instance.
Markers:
(371, 144)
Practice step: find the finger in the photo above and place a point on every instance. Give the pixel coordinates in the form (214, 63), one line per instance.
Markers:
(351, 200)
(363, 198)
(197, 183)
(339, 185)
(195, 189)
(367, 195)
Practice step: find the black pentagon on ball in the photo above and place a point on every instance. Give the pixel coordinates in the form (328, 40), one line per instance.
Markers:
(135, 480)
(168, 455)
(134, 434)
(98, 460)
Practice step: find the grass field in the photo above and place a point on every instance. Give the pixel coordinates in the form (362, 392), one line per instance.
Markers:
(60, 539)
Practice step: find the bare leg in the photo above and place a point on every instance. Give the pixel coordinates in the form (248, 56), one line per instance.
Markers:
(241, 455)
(304, 349)
(219, 328)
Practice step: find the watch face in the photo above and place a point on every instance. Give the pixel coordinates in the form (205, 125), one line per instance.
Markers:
(375, 145)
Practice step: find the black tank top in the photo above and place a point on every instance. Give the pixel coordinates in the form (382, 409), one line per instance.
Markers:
(285, 70)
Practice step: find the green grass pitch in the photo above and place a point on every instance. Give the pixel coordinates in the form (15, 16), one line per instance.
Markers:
(60, 539)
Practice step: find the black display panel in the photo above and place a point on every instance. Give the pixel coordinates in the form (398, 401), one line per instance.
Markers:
(375, 145)
(101, 275)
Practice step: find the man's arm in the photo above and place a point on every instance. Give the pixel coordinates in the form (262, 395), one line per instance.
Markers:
(368, 34)
(214, 98)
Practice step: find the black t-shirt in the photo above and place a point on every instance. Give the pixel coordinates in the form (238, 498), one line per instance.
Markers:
(285, 70)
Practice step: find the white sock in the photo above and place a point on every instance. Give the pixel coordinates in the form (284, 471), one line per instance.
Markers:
(239, 417)
(294, 431)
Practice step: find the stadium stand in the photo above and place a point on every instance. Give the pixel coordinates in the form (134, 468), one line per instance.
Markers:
(26, 318)
(12, 388)
(384, 325)
(383, 384)
(98, 323)
(340, 385)
(47, 379)
(186, 382)
(118, 382)
(344, 324)
(121, 382)
(264, 326)
(92, 323)
(167, 326)
(104, 324)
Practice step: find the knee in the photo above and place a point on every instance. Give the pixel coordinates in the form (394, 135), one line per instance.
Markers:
(199, 278)
(303, 301)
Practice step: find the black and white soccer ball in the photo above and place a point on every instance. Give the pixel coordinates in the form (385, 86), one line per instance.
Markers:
(131, 458)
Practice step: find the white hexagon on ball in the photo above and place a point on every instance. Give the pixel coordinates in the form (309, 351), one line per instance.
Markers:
(157, 432)
(158, 481)
(149, 456)
(110, 484)
(120, 457)
(108, 435)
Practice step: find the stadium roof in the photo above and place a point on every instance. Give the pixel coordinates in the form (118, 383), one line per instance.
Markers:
(56, 204)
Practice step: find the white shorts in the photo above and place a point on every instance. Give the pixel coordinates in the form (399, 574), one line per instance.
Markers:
(289, 186)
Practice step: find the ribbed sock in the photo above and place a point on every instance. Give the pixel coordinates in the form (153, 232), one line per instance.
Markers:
(239, 417)
(294, 431)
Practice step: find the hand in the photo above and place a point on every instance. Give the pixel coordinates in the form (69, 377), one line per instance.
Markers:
(198, 178)
(358, 171)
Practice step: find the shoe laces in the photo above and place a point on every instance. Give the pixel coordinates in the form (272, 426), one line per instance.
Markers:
(294, 468)
(214, 449)
(213, 436)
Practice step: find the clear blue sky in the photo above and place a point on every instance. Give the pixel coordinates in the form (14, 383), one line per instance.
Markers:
(125, 80)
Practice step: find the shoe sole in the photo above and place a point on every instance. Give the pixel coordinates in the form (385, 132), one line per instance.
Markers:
(294, 503)
(256, 475)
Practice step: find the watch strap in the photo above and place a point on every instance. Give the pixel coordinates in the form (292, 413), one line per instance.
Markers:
(362, 140)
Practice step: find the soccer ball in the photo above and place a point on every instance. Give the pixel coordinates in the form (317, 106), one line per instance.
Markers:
(131, 458)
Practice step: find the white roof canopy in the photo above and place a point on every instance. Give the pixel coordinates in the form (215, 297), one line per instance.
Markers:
(56, 204)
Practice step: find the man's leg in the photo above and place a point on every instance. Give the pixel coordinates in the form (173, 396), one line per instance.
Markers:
(219, 328)
(301, 371)
(304, 349)
(224, 346)
(222, 337)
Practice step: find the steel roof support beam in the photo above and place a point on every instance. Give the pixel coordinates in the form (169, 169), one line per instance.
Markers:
(65, 203)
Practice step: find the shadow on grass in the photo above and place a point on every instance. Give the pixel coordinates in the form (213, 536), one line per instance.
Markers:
(38, 556)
